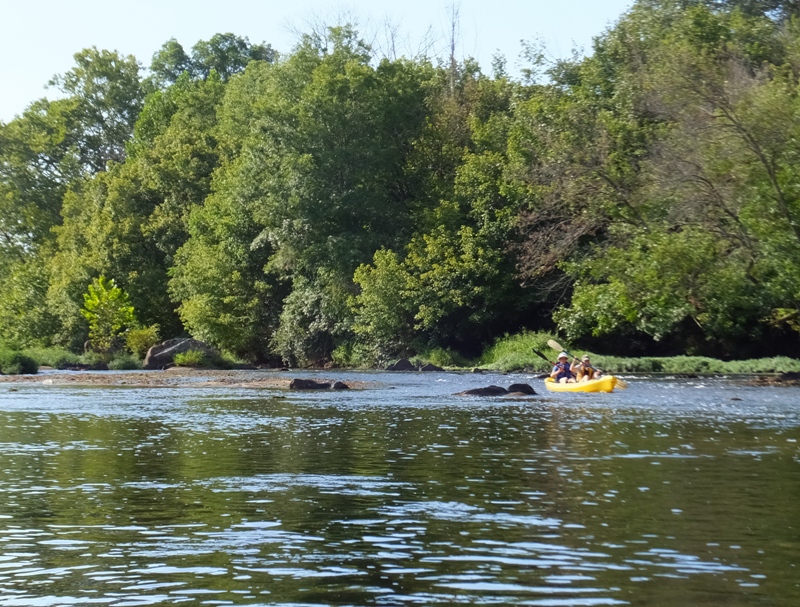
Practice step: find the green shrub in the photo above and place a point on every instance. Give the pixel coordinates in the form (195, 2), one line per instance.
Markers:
(51, 357)
(16, 363)
(109, 312)
(441, 357)
(513, 352)
(354, 356)
(123, 361)
(93, 358)
(141, 339)
(192, 358)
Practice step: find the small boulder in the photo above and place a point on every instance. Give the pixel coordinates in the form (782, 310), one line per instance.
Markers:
(163, 354)
(487, 391)
(340, 386)
(526, 389)
(402, 365)
(308, 384)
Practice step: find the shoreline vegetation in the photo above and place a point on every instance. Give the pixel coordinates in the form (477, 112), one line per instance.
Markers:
(509, 354)
(330, 206)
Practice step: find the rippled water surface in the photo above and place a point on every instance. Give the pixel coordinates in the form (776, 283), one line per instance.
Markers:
(669, 493)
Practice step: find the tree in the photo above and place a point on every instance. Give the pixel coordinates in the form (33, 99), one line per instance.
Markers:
(108, 97)
(319, 168)
(108, 311)
(227, 55)
(709, 262)
(169, 63)
(130, 221)
(223, 54)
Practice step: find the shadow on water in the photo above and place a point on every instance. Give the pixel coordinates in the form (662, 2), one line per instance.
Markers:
(669, 493)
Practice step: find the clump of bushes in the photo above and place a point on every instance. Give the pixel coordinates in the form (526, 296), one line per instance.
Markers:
(207, 360)
(16, 363)
(140, 339)
(193, 358)
(51, 357)
(123, 361)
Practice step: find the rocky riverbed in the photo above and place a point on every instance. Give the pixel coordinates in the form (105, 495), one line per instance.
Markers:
(171, 378)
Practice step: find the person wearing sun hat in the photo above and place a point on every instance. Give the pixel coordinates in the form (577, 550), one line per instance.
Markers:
(585, 371)
(562, 371)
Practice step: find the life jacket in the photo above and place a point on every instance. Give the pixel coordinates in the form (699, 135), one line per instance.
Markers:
(564, 371)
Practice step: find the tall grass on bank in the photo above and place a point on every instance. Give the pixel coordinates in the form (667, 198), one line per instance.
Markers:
(515, 352)
(680, 365)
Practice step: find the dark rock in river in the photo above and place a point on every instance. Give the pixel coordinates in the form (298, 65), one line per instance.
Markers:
(340, 386)
(402, 365)
(308, 384)
(526, 389)
(430, 367)
(163, 354)
(791, 378)
(487, 391)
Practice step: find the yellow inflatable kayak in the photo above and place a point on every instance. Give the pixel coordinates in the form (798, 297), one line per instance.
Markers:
(602, 384)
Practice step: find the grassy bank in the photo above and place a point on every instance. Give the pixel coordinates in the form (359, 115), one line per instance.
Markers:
(515, 352)
(55, 357)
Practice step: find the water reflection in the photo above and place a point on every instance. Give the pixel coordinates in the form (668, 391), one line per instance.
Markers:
(667, 494)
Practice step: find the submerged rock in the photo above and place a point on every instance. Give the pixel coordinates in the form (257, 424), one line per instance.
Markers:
(515, 389)
(791, 378)
(308, 384)
(526, 389)
(487, 391)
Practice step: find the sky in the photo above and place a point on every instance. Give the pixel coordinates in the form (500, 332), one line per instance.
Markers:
(40, 37)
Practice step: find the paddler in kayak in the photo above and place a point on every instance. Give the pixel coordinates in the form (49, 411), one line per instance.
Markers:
(563, 372)
(585, 371)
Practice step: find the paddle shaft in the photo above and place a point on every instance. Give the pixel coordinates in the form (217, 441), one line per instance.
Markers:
(557, 346)
(540, 355)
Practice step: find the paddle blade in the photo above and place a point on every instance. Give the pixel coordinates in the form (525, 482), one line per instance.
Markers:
(555, 345)
(622, 384)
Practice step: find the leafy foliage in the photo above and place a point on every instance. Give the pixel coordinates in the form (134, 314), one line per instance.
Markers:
(327, 206)
(16, 363)
(109, 312)
(139, 340)
(192, 358)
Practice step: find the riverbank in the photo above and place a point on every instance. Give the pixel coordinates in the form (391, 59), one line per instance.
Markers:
(176, 377)
(509, 354)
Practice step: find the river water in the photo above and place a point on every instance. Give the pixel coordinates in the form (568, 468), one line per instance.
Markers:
(673, 492)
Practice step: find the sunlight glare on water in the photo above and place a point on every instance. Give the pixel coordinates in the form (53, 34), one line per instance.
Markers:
(674, 492)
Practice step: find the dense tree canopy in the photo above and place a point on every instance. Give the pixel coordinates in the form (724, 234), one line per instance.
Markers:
(328, 205)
